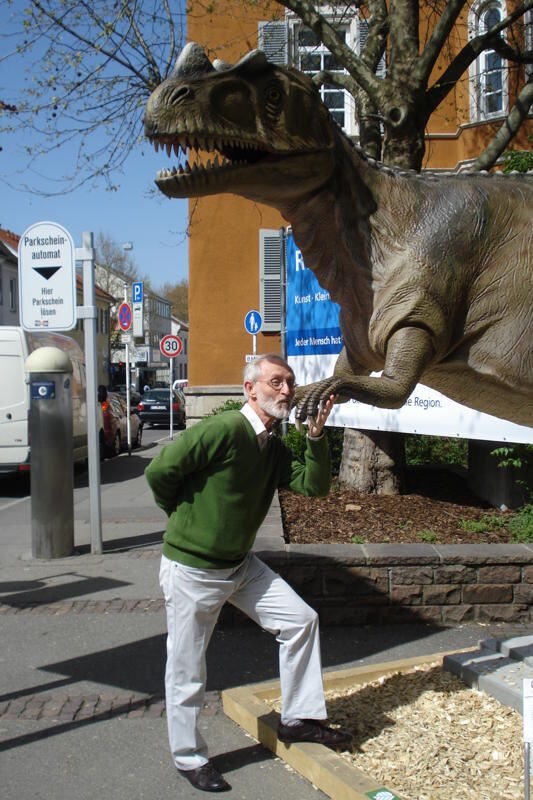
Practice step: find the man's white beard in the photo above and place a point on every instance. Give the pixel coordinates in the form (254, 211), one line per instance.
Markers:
(273, 407)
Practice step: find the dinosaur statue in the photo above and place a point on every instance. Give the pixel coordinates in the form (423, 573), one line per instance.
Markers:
(433, 274)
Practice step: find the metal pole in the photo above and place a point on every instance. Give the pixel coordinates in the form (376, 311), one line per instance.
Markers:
(89, 313)
(283, 312)
(527, 769)
(128, 404)
(171, 367)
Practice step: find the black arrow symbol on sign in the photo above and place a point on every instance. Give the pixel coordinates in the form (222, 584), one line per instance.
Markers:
(47, 272)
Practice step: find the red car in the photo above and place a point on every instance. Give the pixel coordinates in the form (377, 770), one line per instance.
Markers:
(115, 414)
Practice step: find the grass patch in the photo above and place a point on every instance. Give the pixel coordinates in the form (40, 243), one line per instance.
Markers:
(486, 524)
(428, 536)
(521, 525)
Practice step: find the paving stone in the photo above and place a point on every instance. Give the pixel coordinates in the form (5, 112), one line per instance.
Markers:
(498, 668)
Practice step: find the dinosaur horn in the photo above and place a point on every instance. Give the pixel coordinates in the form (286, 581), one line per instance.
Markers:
(221, 66)
(192, 61)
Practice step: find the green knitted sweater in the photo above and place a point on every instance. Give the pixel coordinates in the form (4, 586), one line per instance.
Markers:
(216, 486)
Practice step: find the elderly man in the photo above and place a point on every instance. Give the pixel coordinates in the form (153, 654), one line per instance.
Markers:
(216, 483)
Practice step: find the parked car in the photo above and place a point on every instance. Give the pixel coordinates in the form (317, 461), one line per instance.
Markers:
(134, 395)
(154, 408)
(115, 412)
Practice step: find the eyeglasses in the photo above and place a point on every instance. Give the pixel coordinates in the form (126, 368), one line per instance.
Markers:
(277, 383)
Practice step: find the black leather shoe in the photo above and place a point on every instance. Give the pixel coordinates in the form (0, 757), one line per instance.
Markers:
(313, 730)
(206, 778)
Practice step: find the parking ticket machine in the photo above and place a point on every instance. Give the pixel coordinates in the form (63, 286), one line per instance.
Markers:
(49, 373)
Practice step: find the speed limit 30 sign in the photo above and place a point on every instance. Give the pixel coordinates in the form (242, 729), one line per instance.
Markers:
(170, 345)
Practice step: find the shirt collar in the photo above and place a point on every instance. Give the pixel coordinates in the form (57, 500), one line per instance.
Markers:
(254, 420)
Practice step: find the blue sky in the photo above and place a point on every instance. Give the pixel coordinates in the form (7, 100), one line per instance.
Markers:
(152, 223)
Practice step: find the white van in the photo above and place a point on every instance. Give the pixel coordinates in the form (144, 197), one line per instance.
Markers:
(15, 346)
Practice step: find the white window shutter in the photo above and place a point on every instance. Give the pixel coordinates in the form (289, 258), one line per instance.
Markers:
(270, 266)
(273, 38)
(381, 70)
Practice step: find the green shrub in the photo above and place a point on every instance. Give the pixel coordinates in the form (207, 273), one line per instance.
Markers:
(519, 459)
(228, 405)
(518, 160)
(521, 525)
(421, 450)
(296, 441)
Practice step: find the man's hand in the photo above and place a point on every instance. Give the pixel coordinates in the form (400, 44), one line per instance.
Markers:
(316, 424)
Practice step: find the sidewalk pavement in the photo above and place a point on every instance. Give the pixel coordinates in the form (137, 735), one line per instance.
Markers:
(83, 649)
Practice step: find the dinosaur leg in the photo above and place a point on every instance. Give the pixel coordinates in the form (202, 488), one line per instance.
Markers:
(409, 350)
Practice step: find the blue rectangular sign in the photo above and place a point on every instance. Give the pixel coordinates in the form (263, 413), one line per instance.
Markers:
(137, 292)
(312, 316)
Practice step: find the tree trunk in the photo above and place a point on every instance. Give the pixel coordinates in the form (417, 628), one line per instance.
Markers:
(372, 462)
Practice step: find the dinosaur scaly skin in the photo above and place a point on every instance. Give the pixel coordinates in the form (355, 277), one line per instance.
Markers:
(433, 275)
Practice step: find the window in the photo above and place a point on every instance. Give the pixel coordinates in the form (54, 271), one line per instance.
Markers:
(270, 269)
(13, 294)
(488, 75)
(289, 42)
(313, 57)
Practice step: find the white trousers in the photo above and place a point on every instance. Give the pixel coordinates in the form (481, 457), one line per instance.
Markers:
(193, 599)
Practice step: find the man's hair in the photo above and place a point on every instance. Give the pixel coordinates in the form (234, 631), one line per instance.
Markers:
(253, 370)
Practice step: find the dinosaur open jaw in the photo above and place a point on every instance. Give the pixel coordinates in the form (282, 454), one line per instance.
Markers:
(230, 155)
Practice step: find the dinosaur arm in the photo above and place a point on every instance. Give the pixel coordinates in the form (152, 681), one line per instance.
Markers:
(409, 350)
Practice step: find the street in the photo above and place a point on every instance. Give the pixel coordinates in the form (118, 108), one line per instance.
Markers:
(15, 490)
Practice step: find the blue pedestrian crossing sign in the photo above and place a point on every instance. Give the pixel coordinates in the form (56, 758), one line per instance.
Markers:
(252, 322)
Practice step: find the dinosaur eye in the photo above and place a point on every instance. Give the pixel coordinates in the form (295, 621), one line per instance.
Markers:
(273, 94)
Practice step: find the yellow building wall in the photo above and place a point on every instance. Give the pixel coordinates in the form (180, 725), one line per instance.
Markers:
(224, 243)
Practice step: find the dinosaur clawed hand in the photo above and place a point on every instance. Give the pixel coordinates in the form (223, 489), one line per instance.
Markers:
(307, 399)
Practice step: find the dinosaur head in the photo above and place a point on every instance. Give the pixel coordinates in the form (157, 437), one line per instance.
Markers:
(271, 136)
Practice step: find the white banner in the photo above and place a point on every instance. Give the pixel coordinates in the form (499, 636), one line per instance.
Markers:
(311, 327)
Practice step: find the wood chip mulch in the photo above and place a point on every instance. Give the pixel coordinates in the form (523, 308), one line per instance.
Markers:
(424, 735)
(430, 737)
(435, 508)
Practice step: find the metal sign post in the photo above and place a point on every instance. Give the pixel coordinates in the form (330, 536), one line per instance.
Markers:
(89, 313)
(124, 320)
(527, 716)
(170, 347)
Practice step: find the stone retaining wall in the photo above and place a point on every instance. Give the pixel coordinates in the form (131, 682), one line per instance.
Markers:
(359, 584)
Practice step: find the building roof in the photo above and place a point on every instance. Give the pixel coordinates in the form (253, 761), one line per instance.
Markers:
(99, 292)
(184, 325)
(11, 241)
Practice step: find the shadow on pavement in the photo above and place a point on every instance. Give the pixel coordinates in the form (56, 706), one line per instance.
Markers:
(111, 472)
(235, 657)
(38, 593)
(126, 543)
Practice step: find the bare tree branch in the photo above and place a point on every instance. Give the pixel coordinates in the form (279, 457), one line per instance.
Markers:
(508, 130)
(307, 11)
(436, 94)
